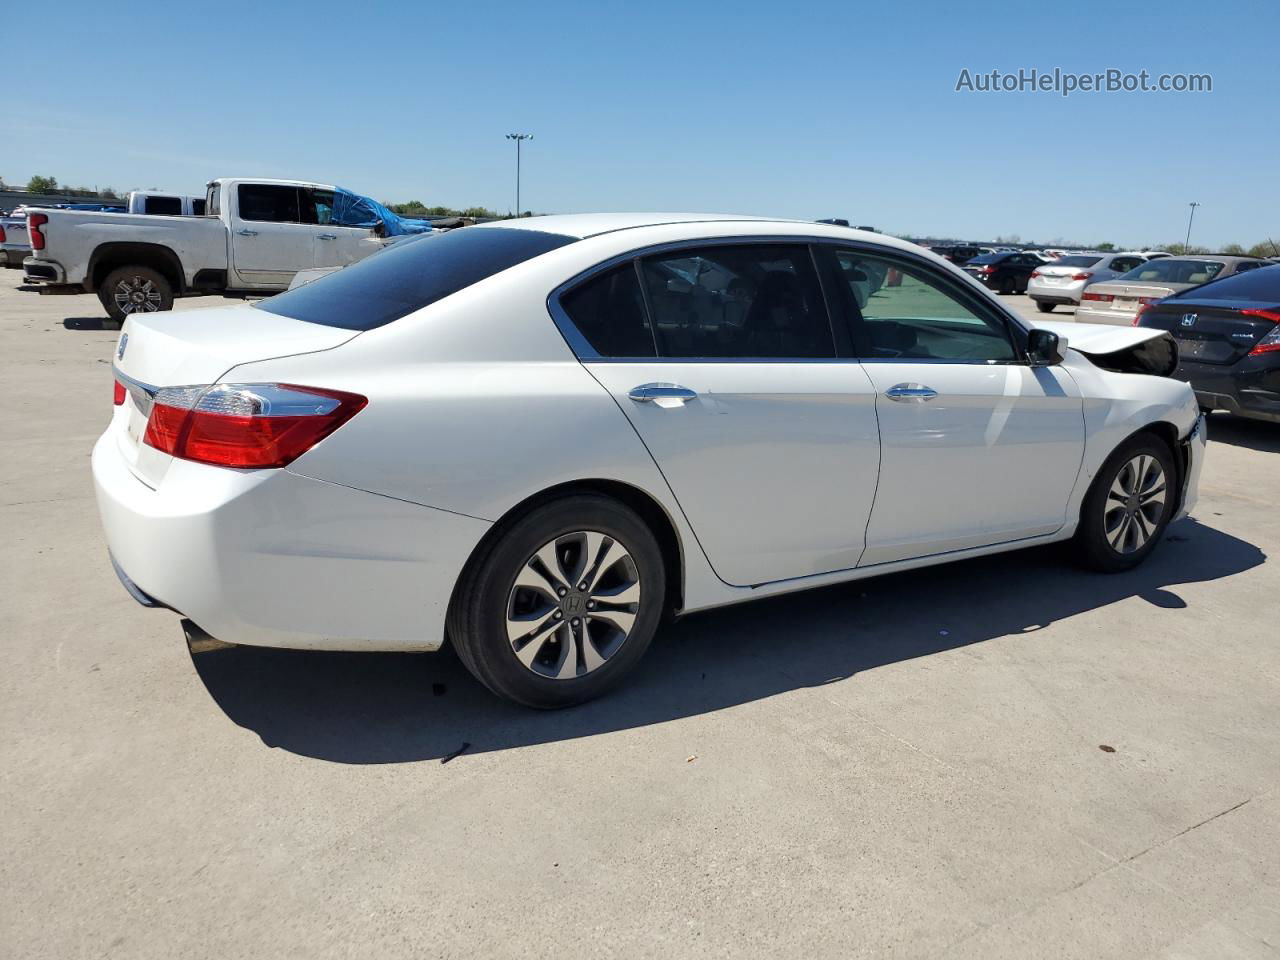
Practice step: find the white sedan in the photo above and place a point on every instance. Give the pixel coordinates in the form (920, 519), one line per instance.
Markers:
(534, 439)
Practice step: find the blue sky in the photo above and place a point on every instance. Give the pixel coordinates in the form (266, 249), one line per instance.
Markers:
(805, 110)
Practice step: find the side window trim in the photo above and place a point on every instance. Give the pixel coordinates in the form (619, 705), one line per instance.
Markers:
(585, 353)
(1013, 331)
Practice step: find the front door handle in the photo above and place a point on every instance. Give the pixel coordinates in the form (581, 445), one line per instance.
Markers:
(327, 236)
(910, 392)
(663, 394)
(247, 233)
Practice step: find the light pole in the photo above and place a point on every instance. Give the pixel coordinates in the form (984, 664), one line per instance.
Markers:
(519, 138)
(1187, 246)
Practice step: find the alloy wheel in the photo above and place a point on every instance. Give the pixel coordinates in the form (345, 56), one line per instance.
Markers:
(573, 604)
(1135, 504)
(137, 295)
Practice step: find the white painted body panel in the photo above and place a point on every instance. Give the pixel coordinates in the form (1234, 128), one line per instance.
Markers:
(476, 404)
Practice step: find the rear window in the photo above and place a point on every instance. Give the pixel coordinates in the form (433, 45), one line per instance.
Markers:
(163, 206)
(408, 276)
(1076, 261)
(1262, 284)
(1174, 271)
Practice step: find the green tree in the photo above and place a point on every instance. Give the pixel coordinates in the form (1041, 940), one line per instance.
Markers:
(110, 193)
(1234, 249)
(1268, 248)
(1106, 247)
(42, 185)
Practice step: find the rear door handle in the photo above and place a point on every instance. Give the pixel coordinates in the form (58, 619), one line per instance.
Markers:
(910, 392)
(247, 233)
(664, 394)
(327, 236)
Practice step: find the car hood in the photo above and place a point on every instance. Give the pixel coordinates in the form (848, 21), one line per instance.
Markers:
(1097, 339)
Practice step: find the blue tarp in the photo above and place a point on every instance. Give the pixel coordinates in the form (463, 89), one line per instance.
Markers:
(352, 210)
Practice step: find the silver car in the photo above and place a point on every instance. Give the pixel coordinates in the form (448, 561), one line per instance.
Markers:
(1063, 281)
(1119, 301)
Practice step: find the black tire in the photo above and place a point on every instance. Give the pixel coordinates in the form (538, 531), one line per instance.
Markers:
(1102, 514)
(487, 592)
(1044, 307)
(131, 289)
(1006, 286)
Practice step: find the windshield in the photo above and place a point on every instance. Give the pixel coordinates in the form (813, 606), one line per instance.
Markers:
(407, 276)
(1169, 270)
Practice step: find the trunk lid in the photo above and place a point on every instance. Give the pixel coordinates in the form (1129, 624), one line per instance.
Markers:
(1211, 331)
(194, 348)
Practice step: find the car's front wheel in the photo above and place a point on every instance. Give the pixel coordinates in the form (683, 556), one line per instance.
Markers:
(1129, 505)
(561, 604)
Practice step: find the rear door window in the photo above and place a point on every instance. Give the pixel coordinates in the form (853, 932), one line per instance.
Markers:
(744, 301)
(269, 203)
(608, 311)
(407, 276)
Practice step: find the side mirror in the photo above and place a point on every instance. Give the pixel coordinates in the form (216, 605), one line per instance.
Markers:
(1045, 348)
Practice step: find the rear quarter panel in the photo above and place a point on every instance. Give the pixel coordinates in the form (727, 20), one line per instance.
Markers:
(73, 236)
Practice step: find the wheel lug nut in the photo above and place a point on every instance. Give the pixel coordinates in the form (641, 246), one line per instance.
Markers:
(559, 614)
(575, 621)
(561, 591)
(591, 604)
(582, 585)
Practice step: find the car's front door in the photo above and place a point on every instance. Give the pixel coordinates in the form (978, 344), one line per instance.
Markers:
(270, 238)
(334, 245)
(722, 358)
(977, 446)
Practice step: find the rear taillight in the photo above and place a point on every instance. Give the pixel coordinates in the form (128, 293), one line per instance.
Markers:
(1035, 273)
(34, 222)
(2, 236)
(117, 398)
(1081, 276)
(987, 269)
(1104, 297)
(1143, 304)
(1271, 342)
(249, 425)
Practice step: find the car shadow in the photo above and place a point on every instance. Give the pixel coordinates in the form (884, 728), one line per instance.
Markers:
(91, 323)
(395, 708)
(1242, 432)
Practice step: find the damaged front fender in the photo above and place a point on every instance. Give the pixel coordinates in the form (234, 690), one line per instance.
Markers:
(1120, 349)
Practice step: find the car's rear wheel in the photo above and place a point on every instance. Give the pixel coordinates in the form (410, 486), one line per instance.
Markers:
(1044, 307)
(1129, 505)
(1006, 286)
(129, 290)
(561, 604)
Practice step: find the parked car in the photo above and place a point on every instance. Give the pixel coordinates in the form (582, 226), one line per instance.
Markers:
(1118, 301)
(531, 437)
(164, 204)
(14, 246)
(957, 253)
(1005, 272)
(1062, 282)
(258, 234)
(1228, 334)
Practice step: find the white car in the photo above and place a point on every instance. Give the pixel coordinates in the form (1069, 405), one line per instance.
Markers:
(1062, 282)
(537, 438)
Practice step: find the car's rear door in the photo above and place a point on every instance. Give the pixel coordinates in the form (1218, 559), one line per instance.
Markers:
(722, 358)
(334, 245)
(977, 447)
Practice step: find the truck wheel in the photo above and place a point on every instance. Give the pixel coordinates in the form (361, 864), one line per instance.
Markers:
(129, 290)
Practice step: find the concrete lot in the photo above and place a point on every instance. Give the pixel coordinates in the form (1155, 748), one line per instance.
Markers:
(1007, 757)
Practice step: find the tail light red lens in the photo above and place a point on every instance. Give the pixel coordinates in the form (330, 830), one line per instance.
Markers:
(1270, 343)
(254, 425)
(1035, 273)
(35, 224)
(117, 398)
(1143, 304)
(1081, 276)
(3, 239)
(987, 269)
(1103, 297)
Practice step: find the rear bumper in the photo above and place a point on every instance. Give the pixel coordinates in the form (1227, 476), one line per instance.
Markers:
(1087, 314)
(44, 271)
(1065, 294)
(268, 558)
(1248, 388)
(12, 257)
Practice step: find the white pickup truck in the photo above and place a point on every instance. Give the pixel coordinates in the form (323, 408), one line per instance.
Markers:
(164, 204)
(254, 236)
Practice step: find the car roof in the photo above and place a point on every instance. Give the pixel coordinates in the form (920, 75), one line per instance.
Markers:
(583, 225)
